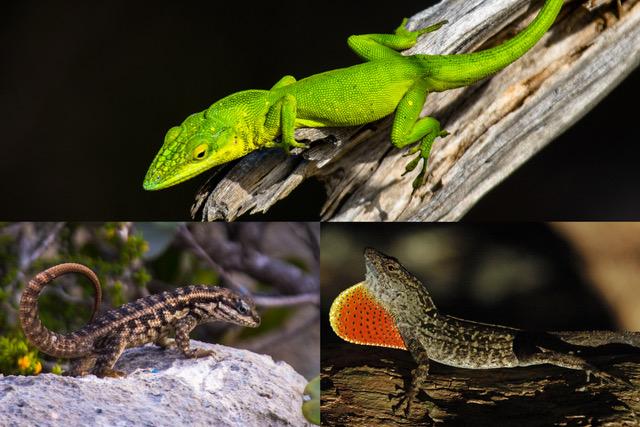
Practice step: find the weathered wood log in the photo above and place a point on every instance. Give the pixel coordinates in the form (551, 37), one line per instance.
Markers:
(495, 125)
(359, 388)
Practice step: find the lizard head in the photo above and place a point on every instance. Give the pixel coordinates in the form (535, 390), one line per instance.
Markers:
(395, 288)
(202, 141)
(229, 306)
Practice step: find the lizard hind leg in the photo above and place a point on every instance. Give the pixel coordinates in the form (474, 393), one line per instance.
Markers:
(81, 366)
(108, 352)
(409, 128)
(570, 361)
(371, 47)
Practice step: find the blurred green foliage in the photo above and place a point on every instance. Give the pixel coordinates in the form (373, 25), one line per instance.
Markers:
(17, 358)
(311, 405)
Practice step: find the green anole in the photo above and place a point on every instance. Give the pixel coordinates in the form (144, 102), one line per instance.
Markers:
(392, 308)
(387, 82)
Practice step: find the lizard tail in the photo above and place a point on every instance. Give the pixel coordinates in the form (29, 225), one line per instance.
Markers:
(464, 69)
(47, 341)
(598, 338)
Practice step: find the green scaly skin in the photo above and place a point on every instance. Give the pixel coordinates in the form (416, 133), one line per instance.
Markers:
(387, 82)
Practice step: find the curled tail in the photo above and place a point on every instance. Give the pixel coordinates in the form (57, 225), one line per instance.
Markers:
(598, 338)
(458, 70)
(54, 344)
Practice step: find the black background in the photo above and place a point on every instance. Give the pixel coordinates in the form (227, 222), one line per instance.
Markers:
(89, 89)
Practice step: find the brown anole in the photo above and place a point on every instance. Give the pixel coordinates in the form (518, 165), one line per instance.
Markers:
(392, 308)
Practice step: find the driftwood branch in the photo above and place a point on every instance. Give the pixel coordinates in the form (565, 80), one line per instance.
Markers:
(358, 389)
(496, 125)
(230, 255)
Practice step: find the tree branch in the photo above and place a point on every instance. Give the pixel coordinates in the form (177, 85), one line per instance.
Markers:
(358, 389)
(285, 301)
(233, 256)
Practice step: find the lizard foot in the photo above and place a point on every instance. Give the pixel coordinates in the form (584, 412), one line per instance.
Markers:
(195, 353)
(424, 147)
(287, 146)
(405, 399)
(74, 373)
(403, 31)
(110, 373)
(608, 378)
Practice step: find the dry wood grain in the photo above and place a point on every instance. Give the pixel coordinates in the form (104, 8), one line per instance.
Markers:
(358, 389)
(495, 125)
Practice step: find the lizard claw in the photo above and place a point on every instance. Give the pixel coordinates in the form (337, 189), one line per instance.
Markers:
(608, 378)
(288, 145)
(405, 399)
(424, 147)
(110, 373)
(419, 179)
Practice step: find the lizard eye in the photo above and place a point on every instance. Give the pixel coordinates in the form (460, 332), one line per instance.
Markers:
(390, 267)
(242, 307)
(200, 152)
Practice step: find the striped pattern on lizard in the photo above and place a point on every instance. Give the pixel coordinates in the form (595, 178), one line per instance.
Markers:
(96, 347)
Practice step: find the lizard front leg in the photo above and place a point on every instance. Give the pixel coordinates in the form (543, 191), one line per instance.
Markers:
(418, 378)
(568, 361)
(183, 327)
(165, 342)
(408, 128)
(418, 375)
(282, 116)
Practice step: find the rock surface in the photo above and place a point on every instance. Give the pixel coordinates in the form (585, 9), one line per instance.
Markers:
(161, 388)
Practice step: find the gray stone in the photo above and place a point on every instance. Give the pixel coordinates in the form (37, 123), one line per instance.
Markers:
(236, 387)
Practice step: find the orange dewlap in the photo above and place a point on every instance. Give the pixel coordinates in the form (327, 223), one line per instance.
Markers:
(358, 318)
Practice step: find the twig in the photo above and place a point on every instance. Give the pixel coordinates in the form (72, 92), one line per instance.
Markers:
(286, 301)
(286, 277)
(26, 262)
(282, 334)
(187, 236)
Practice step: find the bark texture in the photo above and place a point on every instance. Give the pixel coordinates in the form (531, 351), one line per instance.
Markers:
(358, 389)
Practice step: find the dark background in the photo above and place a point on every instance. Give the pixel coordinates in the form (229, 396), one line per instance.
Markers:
(88, 90)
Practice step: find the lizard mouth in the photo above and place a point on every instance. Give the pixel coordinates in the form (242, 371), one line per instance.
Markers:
(156, 181)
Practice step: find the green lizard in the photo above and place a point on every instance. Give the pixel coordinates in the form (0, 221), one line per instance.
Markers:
(388, 81)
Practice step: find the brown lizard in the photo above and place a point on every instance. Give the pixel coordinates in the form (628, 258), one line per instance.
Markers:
(392, 308)
(97, 346)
